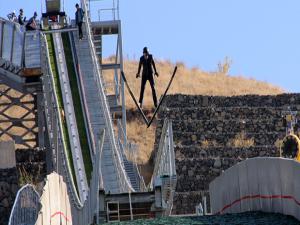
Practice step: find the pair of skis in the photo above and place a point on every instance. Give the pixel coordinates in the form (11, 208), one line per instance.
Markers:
(149, 122)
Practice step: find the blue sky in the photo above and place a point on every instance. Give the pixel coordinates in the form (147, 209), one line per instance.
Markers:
(262, 37)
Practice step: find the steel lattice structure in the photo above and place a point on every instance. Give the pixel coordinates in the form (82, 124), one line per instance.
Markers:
(18, 120)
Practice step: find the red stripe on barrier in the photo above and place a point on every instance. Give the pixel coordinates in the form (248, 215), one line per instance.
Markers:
(60, 214)
(259, 196)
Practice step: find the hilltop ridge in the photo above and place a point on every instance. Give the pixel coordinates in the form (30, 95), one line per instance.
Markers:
(193, 82)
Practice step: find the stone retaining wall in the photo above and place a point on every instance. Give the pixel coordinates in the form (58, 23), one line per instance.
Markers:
(212, 134)
(8, 190)
(283, 100)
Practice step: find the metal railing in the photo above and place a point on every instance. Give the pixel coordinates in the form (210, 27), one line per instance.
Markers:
(164, 167)
(21, 48)
(124, 182)
(138, 177)
(70, 117)
(165, 156)
(54, 126)
(114, 9)
(83, 213)
(26, 206)
(135, 170)
(12, 40)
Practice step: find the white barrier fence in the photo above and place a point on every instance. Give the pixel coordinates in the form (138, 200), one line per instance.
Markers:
(55, 202)
(26, 206)
(18, 47)
(258, 184)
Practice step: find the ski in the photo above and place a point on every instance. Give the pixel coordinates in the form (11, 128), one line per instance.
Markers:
(162, 98)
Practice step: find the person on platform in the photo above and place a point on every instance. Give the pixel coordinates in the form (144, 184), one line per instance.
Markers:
(12, 17)
(79, 19)
(21, 18)
(32, 25)
(147, 62)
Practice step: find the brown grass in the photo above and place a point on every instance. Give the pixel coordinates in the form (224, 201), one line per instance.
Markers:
(194, 82)
(208, 144)
(241, 141)
(278, 143)
(139, 134)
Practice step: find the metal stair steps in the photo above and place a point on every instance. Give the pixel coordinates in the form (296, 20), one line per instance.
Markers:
(96, 113)
(110, 66)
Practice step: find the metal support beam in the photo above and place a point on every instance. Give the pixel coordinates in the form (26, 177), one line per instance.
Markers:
(24, 105)
(12, 43)
(120, 50)
(41, 120)
(59, 30)
(1, 37)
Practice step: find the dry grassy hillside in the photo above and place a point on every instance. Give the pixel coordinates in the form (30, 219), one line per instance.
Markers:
(195, 82)
(187, 81)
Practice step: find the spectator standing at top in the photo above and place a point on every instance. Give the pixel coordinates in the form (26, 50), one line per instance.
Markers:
(12, 17)
(147, 62)
(21, 18)
(79, 19)
(31, 25)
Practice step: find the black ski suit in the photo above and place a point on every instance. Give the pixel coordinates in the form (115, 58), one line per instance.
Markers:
(147, 74)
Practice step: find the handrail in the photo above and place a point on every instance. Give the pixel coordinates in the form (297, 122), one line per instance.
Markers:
(140, 177)
(67, 167)
(114, 10)
(91, 137)
(123, 135)
(84, 211)
(70, 118)
(165, 157)
(141, 180)
(123, 179)
(9, 21)
(11, 217)
(164, 167)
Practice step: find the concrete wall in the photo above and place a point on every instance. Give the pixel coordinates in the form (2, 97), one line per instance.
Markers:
(258, 184)
(7, 154)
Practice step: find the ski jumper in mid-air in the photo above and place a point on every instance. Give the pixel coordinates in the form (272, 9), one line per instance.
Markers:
(147, 62)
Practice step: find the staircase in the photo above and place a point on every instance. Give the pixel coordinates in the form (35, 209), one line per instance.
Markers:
(116, 98)
(96, 113)
(132, 173)
(212, 134)
(98, 45)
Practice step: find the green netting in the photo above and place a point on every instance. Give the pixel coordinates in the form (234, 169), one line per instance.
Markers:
(251, 218)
